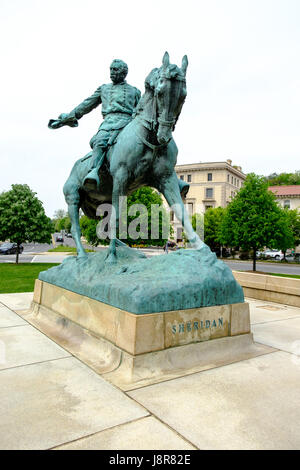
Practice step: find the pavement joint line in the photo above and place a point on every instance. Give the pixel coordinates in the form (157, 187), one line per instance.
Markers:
(279, 350)
(161, 421)
(99, 432)
(34, 363)
(267, 302)
(11, 326)
(206, 370)
(143, 386)
(275, 321)
(113, 385)
(19, 310)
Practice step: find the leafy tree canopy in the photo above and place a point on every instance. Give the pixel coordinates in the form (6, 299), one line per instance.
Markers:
(253, 219)
(212, 222)
(283, 179)
(293, 216)
(63, 224)
(59, 214)
(22, 217)
(146, 196)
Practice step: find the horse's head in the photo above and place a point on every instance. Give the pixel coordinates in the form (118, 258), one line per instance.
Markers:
(169, 93)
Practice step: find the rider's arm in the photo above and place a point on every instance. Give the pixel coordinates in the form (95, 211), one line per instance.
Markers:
(87, 105)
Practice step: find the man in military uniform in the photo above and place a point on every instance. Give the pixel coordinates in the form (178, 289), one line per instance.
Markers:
(119, 100)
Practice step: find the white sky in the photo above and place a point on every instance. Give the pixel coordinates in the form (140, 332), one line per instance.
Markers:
(243, 80)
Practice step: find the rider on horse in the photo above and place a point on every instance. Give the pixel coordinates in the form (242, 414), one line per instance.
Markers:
(119, 100)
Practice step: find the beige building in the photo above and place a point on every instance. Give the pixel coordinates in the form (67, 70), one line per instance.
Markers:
(212, 184)
(287, 196)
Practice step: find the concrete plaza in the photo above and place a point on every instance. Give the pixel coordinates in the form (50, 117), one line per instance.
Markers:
(51, 400)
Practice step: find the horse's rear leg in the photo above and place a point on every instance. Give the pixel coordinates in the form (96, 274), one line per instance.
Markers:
(72, 199)
(170, 189)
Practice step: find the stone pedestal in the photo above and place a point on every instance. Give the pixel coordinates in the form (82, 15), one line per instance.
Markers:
(131, 349)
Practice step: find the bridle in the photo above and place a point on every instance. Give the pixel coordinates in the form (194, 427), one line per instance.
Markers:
(152, 123)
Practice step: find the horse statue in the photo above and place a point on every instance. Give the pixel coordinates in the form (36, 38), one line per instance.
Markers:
(144, 154)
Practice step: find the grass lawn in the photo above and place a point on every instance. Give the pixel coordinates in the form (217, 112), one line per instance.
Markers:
(20, 277)
(64, 249)
(296, 276)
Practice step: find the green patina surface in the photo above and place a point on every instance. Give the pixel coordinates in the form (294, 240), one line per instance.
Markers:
(181, 280)
(134, 147)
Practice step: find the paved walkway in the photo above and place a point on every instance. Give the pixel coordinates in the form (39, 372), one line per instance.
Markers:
(49, 399)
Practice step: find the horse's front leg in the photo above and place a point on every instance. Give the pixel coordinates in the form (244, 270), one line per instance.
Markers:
(120, 181)
(72, 198)
(170, 189)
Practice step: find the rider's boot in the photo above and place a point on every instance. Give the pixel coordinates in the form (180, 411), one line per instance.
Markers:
(92, 177)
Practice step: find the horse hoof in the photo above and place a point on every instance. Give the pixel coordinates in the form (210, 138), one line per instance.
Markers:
(197, 243)
(119, 243)
(111, 258)
(81, 257)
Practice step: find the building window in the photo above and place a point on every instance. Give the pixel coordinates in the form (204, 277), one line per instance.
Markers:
(232, 180)
(182, 177)
(228, 178)
(209, 193)
(209, 176)
(189, 178)
(179, 234)
(238, 183)
(287, 204)
(172, 216)
(208, 207)
(190, 208)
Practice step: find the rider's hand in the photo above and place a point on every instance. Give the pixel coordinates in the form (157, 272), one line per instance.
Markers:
(63, 116)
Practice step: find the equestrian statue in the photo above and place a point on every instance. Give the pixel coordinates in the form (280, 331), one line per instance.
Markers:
(133, 147)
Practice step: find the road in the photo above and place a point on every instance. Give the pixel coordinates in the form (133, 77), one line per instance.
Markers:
(281, 268)
(31, 254)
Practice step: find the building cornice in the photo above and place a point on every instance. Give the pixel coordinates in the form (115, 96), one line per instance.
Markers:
(284, 196)
(193, 167)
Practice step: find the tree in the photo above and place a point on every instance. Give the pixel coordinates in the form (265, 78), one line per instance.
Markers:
(22, 217)
(253, 219)
(212, 222)
(287, 241)
(145, 196)
(150, 199)
(88, 230)
(63, 224)
(59, 214)
(283, 178)
(294, 224)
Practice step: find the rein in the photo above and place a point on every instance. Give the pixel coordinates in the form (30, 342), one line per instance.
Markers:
(151, 124)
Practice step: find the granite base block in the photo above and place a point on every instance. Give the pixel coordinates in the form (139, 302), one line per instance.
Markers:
(129, 349)
(181, 280)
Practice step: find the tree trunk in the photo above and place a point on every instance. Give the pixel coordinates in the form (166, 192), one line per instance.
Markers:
(254, 258)
(17, 254)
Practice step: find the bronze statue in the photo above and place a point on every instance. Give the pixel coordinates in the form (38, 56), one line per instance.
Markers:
(140, 148)
(119, 100)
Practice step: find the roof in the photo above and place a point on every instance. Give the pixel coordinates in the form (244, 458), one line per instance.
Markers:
(288, 190)
(204, 166)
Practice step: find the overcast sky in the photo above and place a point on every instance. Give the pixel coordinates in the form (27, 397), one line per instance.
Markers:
(243, 80)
